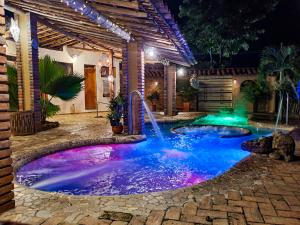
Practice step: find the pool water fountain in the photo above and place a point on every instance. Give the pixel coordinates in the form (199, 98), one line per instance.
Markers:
(224, 117)
(149, 113)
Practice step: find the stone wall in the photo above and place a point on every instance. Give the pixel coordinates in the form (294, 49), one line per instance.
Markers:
(6, 177)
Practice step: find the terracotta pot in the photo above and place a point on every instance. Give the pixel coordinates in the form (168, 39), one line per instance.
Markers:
(153, 108)
(117, 129)
(186, 107)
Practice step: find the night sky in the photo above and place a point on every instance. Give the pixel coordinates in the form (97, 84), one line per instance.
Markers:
(282, 26)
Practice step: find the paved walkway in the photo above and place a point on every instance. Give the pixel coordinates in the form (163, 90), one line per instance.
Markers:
(257, 191)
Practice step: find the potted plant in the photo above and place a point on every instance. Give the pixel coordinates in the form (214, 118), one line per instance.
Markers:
(187, 93)
(115, 114)
(153, 97)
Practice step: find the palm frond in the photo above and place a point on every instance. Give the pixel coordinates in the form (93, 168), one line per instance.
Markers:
(66, 87)
(49, 70)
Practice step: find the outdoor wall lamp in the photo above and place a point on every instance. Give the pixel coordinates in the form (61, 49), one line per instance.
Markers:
(74, 58)
(14, 30)
(151, 52)
(181, 72)
(110, 78)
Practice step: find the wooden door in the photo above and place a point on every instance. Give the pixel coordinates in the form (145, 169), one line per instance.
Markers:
(90, 87)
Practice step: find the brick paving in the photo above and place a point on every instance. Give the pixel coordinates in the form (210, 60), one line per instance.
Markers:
(257, 191)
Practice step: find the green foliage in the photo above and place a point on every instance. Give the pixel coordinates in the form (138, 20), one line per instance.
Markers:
(253, 91)
(185, 90)
(65, 87)
(57, 84)
(116, 110)
(282, 63)
(12, 87)
(51, 109)
(223, 27)
(153, 96)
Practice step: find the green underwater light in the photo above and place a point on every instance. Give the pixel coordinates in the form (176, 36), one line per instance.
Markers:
(235, 118)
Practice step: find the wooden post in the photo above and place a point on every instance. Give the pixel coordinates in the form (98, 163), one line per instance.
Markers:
(30, 66)
(35, 73)
(133, 78)
(6, 177)
(19, 73)
(170, 90)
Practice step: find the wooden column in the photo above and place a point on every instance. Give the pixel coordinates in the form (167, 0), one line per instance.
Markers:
(30, 66)
(19, 73)
(6, 177)
(170, 90)
(124, 82)
(35, 86)
(133, 78)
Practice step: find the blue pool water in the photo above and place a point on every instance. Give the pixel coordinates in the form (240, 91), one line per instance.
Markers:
(149, 166)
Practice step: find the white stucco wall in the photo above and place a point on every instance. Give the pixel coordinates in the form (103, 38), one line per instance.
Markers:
(84, 58)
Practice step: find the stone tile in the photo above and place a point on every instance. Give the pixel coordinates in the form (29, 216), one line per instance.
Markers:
(267, 209)
(228, 208)
(292, 200)
(282, 205)
(173, 213)
(295, 208)
(35, 221)
(253, 215)
(118, 216)
(190, 208)
(88, 220)
(237, 219)
(281, 220)
(291, 214)
(242, 203)
(211, 214)
(174, 222)
(205, 203)
(155, 217)
(54, 220)
(44, 214)
(234, 195)
(119, 223)
(195, 219)
(256, 199)
(219, 199)
(104, 222)
(220, 222)
(138, 220)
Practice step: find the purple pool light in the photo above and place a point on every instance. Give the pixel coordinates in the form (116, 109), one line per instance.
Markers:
(122, 169)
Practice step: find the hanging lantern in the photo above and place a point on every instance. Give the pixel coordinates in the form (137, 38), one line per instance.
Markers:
(14, 30)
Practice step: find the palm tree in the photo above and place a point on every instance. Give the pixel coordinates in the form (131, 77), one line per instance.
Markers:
(281, 63)
(56, 84)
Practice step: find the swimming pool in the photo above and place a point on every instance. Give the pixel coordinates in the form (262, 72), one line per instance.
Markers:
(150, 166)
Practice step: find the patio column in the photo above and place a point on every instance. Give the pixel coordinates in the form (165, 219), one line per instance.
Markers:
(19, 72)
(30, 66)
(6, 177)
(133, 78)
(170, 90)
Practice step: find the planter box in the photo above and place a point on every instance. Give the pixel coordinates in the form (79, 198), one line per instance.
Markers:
(22, 123)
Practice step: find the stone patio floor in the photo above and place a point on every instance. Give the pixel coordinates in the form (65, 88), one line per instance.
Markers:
(257, 191)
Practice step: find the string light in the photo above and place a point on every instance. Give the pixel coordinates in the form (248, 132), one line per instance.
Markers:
(94, 15)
